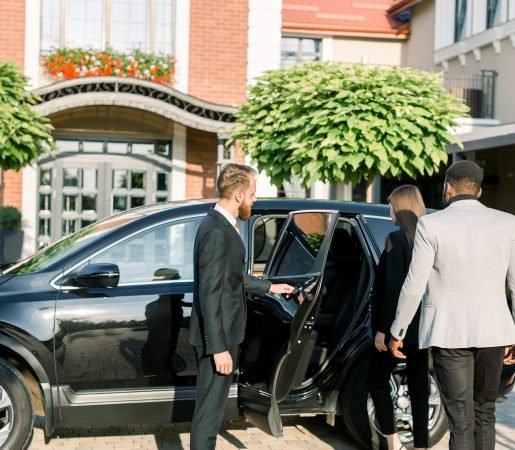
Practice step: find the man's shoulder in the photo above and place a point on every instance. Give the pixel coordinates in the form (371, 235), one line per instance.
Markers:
(210, 224)
(501, 215)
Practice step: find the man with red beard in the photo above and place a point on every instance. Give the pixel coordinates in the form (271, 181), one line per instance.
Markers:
(218, 315)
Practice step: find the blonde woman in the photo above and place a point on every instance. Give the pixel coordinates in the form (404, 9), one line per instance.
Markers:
(406, 207)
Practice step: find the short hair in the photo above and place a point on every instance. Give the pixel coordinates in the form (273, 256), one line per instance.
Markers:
(465, 176)
(234, 177)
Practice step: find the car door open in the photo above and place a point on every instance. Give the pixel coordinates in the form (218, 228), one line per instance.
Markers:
(298, 258)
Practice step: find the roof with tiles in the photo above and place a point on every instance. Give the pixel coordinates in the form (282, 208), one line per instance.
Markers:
(340, 17)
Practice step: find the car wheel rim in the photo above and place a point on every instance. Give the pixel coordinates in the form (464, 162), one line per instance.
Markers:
(402, 405)
(6, 416)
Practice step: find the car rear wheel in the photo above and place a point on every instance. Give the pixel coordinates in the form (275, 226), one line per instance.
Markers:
(16, 409)
(359, 413)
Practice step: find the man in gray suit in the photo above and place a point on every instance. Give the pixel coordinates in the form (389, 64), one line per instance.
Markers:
(462, 257)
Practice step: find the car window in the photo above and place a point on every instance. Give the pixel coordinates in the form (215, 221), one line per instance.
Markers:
(161, 253)
(68, 245)
(379, 228)
(264, 234)
(298, 249)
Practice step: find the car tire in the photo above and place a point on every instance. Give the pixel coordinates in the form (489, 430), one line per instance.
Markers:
(16, 409)
(358, 410)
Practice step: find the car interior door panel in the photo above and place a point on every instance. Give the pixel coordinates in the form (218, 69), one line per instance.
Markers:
(298, 257)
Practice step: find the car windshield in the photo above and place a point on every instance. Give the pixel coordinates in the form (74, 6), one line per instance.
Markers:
(47, 256)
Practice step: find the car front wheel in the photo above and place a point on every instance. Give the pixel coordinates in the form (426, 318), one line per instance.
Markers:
(358, 410)
(16, 410)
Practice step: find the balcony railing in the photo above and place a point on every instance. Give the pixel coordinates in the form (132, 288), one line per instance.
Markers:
(477, 91)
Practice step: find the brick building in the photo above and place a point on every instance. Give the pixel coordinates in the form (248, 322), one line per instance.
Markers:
(126, 142)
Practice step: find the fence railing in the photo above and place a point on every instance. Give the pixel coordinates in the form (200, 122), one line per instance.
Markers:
(477, 91)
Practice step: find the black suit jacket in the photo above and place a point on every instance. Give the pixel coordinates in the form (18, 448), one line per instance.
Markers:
(219, 311)
(391, 272)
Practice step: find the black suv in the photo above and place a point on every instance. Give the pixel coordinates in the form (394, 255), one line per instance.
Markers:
(93, 329)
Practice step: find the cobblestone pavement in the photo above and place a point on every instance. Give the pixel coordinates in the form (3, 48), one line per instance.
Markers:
(299, 433)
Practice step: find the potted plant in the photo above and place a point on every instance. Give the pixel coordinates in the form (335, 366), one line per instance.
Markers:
(11, 235)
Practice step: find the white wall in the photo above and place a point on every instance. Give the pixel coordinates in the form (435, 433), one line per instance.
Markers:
(264, 53)
(182, 44)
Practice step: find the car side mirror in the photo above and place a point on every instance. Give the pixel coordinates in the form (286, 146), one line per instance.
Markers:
(99, 275)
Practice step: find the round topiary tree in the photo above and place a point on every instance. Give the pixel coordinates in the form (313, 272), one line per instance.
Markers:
(337, 122)
(24, 133)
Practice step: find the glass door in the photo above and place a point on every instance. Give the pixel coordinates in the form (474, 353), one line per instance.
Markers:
(77, 191)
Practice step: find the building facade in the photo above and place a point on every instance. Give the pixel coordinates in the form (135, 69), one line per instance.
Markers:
(473, 45)
(125, 142)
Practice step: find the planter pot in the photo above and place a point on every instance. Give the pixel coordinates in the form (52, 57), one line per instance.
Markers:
(11, 243)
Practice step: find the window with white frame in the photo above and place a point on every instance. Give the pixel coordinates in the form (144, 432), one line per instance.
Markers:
(295, 50)
(123, 25)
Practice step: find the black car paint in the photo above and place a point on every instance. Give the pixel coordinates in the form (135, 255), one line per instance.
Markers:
(83, 384)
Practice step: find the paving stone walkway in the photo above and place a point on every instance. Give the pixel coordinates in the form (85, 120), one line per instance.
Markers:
(299, 433)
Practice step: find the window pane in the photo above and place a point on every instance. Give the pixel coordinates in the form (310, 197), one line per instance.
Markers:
(119, 203)
(89, 202)
(143, 149)
(45, 202)
(129, 29)
(85, 23)
(164, 27)
(44, 227)
(161, 199)
(162, 181)
(162, 253)
(297, 50)
(85, 223)
(69, 226)
(163, 149)
(69, 203)
(71, 177)
(137, 201)
(137, 180)
(93, 147)
(380, 228)
(120, 178)
(50, 24)
(68, 146)
(264, 234)
(89, 178)
(46, 177)
(117, 147)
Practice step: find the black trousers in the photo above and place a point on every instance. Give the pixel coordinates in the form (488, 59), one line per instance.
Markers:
(469, 382)
(212, 392)
(381, 366)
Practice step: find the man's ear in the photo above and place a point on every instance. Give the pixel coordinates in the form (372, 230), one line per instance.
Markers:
(239, 196)
(479, 193)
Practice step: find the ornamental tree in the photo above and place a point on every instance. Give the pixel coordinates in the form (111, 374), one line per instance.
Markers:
(24, 133)
(346, 123)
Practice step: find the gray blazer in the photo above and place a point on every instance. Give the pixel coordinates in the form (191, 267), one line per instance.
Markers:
(462, 257)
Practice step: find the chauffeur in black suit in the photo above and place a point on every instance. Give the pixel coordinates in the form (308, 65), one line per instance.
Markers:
(219, 310)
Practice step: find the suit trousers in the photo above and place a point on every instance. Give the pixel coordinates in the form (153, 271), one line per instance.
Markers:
(469, 382)
(381, 366)
(212, 393)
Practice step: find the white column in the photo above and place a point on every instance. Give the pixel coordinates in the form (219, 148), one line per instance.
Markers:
(264, 53)
(29, 209)
(182, 45)
(327, 49)
(32, 41)
(321, 190)
(178, 182)
(344, 192)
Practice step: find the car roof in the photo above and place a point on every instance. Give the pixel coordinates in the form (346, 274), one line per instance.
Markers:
(272, 204)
